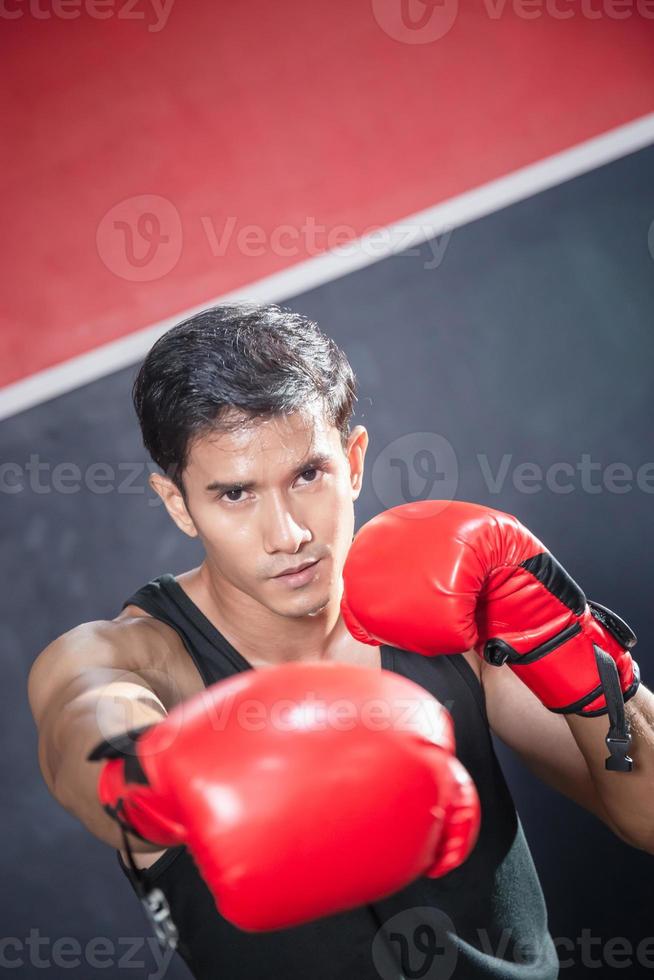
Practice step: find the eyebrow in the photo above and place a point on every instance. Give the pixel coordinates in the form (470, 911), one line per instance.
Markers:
(312, 462)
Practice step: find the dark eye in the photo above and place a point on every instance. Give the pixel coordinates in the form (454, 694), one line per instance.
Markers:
(228, 494)
(313, 471)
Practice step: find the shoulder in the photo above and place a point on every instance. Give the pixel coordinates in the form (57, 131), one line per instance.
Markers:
(131, 612)
(83, 656)
(149, 633)
(163, 651)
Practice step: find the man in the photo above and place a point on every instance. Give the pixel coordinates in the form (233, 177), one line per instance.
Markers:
(246, 410)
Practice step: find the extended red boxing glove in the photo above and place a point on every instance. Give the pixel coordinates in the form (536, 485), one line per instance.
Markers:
(300, 790)
(445, 577)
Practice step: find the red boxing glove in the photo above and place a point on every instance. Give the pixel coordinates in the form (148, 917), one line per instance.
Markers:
(445, 577)
(300, 790)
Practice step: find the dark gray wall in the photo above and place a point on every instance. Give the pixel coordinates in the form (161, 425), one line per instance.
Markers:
(532, 340)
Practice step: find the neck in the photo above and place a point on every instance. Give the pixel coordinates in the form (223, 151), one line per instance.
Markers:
(263, 637)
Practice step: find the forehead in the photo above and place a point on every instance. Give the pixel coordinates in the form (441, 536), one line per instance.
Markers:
(282, 441)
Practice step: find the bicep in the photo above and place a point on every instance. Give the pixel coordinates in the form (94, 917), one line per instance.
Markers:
(542, 739)
(91, 656)
(78, 686)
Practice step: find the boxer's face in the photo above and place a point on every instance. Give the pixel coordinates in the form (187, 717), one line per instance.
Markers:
(270, 497)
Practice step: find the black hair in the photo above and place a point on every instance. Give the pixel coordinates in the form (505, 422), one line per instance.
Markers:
(234, 363)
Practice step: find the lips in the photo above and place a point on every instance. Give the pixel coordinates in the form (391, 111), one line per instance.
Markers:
(297, 568)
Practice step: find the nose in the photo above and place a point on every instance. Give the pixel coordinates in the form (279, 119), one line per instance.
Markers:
(282, 531)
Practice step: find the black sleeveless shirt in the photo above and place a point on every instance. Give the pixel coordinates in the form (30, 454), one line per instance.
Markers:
(484, 919)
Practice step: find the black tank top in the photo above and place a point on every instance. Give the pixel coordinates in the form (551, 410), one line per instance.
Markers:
(484, 919)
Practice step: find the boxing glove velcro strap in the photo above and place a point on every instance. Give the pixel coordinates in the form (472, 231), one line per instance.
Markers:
(618, 739)
(497, 652)
(119, 747)
(616, 626)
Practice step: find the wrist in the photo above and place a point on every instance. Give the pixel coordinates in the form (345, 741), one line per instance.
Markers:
(584, 668)
(126, 793)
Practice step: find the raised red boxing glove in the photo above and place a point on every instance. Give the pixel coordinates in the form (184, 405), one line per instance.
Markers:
(300, 790)
(449, 576)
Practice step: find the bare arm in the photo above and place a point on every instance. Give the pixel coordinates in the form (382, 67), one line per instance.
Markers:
(543, 741)
(88, 685)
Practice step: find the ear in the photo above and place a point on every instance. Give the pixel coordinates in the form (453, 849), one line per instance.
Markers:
(174, 503)
(355, 451)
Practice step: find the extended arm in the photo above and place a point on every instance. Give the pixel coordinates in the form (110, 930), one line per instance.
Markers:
(82, 691)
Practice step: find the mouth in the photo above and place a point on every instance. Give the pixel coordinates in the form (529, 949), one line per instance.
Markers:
(297, 568)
